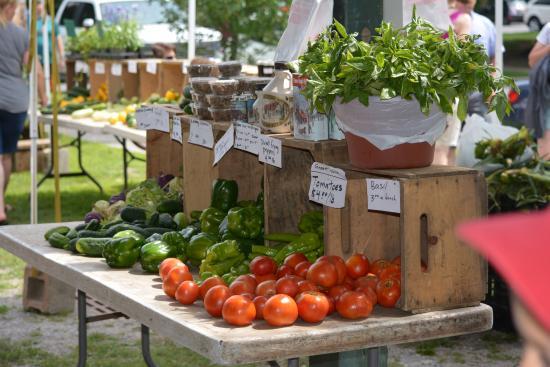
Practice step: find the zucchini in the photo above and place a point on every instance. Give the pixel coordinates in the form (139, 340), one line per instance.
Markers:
(58, 240)
(131, 214)
(152, 230)
(124, 227)
(91, 246)
(169, 206)
(92, 234)
(61, 230)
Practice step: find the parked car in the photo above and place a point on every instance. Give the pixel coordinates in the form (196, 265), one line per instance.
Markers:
(148, 14)
(519, 104)
(488, 10)
(537, 14)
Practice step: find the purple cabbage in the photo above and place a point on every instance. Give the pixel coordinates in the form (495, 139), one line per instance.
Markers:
(163, 181)
(92, 215)
(119, 197)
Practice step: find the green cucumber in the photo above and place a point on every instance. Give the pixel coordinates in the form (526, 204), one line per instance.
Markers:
(169, 206)
(112, 224)
(93, 225)
(58, 240)
(72, 245)
(80, 226)
(73, 233)
(92, 234)
(60, 229)
(124, 227)
(131, 214)
(152, 230)
(166, 221)
(91, 246)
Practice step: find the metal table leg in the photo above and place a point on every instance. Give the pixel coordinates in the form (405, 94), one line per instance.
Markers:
(145, 347)
(294, 362)
(82, 330)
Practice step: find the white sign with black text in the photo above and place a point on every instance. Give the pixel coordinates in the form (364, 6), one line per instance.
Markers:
(200, 133)
(132, 67)
(116, 69)
(224, 144)
(151, 67)
(328, 185)
(384, 195)
(271, 151)
(247, 137)
(176, 130)
(99, 68)
(144, 118)
(153, 118)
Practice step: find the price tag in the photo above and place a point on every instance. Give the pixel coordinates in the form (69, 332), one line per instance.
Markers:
(271, 151)
(144, 118)
(247, 137)
(224, 144)
(80, 67)
(328, 185)
(132, 67)
(200, 133)
(176, 129)
(151, 67)
(384, 195)
(116, 69)
(161, 119)
(99, 68)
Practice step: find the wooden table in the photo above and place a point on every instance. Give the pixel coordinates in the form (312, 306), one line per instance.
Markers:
(141, 297)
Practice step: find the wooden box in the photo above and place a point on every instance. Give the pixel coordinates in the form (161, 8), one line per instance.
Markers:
(286, 189)
(433, 201)
(199, 173)
(148, 83)
(171, 76)
(45, 293)
(97, 79)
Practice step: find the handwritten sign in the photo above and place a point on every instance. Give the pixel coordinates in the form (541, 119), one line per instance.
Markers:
(328, 185)
(132, 67)
(151, 67)
(80, 67)
(99, 68)
(247, 137)
(153, 118)
(176, 130)
(384, 195)
(116, 69)
(271, 151)
(224, 144)
(200, 133)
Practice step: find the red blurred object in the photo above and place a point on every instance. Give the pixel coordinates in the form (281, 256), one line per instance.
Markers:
(513, 96)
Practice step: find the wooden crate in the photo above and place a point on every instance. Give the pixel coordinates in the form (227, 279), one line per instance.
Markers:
(130, 82)
(171, 76)
(97, 80)
(198, 172)
(148, 83)
(433, 201)
(286, 189)
(46, 294)
(70, 73)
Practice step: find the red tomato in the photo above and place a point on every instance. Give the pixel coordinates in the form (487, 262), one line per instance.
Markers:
(280, 310)
(284, 270)
(301, 269)
(340, 265)
(349, 282)
(247, 278)
(331, 306)
(263, 278)
(250, 296)
(357, 266)
(336, 291)
(174, 278)
(397, 260)
(239, 311)
(287, 286)
(263, 265)
(294, 259)
(306, 285)
(388, 292)
(267, 288)
(370, 293)
(187, 292)
(241, 287)
(354, 305)
(370, 280)
(379, 265)
(209, 283)
(312, 306)
(259, 303)
(167, 264)
(215, 298)
(391, 271)
(323, 273)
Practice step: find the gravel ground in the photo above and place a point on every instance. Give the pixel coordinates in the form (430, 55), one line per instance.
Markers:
(58, 333)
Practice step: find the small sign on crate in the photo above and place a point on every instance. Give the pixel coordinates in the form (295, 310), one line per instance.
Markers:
(271, 151)
(176, 130)
(328, 185)
(247, 137)
(384, 195)
(132, 67)
(116, 69)
(224, 144)
(200, 133)
(153, 118)
(99, 68)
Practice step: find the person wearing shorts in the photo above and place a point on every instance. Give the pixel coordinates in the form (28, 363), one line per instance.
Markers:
(14, 92)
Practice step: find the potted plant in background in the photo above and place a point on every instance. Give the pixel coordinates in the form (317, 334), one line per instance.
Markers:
(391, 95)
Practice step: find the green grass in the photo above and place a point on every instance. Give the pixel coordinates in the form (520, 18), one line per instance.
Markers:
(517, 73)
(429, 347)
(4, 309)
(519, 37)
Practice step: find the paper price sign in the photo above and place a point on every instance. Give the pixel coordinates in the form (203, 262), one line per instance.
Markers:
(224, 144)
(247, 137)
(132, 67)
(144, 118)
(80, 67)
(271, 151)
(176, 130)
(99, 68)
(328, 185)
(200, 133)
(116, 69)
(151, 67)
(384, 195)
(161, 119)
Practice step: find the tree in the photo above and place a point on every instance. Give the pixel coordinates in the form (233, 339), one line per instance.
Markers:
(238, 21)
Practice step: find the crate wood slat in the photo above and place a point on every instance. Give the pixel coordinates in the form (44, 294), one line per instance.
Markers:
(148, 83)
(140, 296)
(130, 82)
(164, 155)
(440, 198)
(171, 76)
(96, 80)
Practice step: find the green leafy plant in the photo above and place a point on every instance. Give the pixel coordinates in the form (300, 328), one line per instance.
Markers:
(414, 61)
(123, 35)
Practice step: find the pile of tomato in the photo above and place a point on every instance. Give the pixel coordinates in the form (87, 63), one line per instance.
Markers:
(297, 288)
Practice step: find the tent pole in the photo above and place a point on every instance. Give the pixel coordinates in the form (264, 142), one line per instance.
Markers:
(33, 103)
(499, 9)
(191, 34)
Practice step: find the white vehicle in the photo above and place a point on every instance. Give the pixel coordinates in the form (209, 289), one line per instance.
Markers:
(148, 14)
(537, 14)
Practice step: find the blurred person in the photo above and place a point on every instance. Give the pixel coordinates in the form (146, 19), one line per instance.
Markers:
(537, 116)
(14, 92)
(43, 16)
(21, 14)
(164, 51)
(518, 246)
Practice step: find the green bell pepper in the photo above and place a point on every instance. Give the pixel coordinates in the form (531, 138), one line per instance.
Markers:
(312, 221)
(122, 252)
(245, 222)
(242, 268)
(181, 220)
(306, 243)
(189, 232)
(153, 253)
(177, 242)
(211, 219)
(221, 257)
(132, 234)
(199, 244)
(229, 278)
(224, 194)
